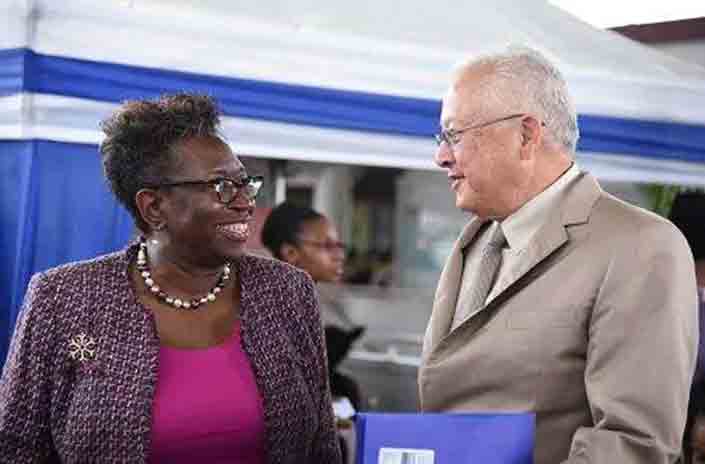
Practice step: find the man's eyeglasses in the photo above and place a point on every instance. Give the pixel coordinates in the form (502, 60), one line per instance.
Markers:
(328, 246)
(452, 136)
(226, 188)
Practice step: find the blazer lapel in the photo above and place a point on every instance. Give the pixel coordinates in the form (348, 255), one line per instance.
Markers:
(448, 288)
(574, 208)
(551, 236)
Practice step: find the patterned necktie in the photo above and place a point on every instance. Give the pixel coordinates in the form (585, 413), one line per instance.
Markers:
(477, 282)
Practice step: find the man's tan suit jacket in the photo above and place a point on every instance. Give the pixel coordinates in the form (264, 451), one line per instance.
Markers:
(594, 330)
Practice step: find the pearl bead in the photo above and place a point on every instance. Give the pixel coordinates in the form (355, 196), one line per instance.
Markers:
(143, 268)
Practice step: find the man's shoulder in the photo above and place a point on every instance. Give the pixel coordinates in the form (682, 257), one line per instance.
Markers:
(619, 221)
(615, 213)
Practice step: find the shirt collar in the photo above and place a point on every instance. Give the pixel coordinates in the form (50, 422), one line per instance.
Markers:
(524, 223)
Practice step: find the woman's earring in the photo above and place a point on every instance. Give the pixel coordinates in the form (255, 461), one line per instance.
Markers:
(157, 228)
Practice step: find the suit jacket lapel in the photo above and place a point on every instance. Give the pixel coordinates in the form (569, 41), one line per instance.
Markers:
(551, 236)
(574, 209)
(448, 288)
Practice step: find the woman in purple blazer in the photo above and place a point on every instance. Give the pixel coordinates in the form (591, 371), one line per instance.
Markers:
(180, 348)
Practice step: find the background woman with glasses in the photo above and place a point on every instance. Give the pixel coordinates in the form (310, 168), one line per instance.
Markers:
(180, 348)
(308, 240)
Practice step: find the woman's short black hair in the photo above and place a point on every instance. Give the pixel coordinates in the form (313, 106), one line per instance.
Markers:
(688, 214)
(138, 149)
(284, 224)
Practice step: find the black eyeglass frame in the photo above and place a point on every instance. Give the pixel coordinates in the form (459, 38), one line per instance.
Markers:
(239, 186)
(450, 136)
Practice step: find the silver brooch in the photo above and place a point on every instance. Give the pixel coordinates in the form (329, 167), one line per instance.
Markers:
(82, 348)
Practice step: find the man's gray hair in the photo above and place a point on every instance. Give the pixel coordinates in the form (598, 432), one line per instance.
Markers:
(536, 85)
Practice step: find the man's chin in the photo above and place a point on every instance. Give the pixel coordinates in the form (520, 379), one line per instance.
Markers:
(464, 204)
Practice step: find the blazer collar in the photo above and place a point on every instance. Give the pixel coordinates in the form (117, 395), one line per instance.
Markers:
(575, 207)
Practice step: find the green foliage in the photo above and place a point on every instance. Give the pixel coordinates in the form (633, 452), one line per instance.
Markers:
(661, 197)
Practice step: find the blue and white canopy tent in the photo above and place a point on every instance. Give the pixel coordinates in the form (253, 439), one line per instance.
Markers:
(349, 82)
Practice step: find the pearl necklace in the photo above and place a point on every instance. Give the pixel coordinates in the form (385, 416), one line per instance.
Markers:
(178, 303)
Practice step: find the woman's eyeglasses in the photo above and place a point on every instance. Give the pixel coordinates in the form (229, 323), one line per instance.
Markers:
(226, 188)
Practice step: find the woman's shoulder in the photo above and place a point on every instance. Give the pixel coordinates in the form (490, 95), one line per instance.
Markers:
(271, 283)
(84, 273)
(67, 293)
(92, 268)
(270, 270)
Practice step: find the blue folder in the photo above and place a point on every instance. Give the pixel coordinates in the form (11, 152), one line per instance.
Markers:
(505, 438)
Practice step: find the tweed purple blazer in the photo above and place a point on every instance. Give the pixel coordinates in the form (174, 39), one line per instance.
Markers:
(57, 409)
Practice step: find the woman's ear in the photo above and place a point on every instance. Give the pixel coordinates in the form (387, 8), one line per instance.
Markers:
(290, 253)
(149, 204)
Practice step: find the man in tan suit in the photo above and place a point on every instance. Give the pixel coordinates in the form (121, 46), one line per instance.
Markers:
(557, 298)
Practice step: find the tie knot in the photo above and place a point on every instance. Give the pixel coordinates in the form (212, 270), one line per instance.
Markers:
(497, 239)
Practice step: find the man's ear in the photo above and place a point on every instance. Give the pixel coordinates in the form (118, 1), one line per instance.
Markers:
(150, 206)
(290, 254)
(531, 136)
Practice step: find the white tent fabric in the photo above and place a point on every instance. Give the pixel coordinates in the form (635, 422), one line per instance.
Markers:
(395, 49)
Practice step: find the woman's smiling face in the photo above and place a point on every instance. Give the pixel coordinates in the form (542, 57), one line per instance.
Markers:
(201, 229)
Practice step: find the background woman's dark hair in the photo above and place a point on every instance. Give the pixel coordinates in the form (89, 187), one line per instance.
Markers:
(138, 149)
(688, 214)
(696, 408)
(284, 224)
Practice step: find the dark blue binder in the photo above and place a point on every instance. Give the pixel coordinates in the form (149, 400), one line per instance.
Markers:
(504, 438)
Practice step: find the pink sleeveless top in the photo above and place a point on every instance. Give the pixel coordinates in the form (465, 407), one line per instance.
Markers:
(207, 407)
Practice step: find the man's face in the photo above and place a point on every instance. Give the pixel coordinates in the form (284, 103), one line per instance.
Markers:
(484, 168)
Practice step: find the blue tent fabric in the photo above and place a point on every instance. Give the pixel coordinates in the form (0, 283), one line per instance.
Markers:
(12, 73)
(112, 82)
(650, 139)
(315, 106)
(56, 208)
